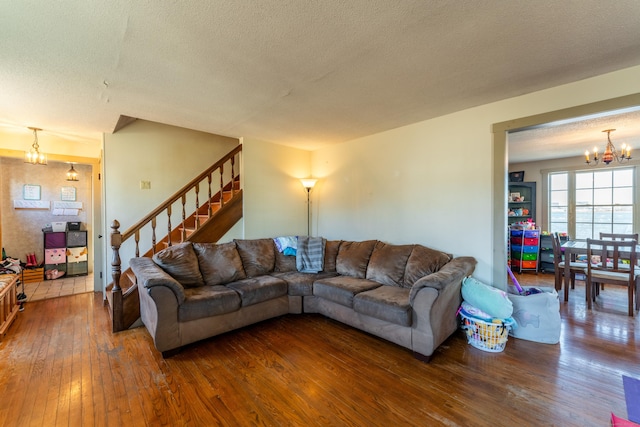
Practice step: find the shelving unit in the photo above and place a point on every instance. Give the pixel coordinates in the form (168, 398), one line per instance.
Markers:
(547, 263)
(525, 209)
(524, 247)
(66, 251)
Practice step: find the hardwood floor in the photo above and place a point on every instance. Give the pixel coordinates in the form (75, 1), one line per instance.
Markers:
(60, 365)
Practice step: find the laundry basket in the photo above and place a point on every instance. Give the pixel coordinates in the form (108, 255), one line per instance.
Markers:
(486, 335)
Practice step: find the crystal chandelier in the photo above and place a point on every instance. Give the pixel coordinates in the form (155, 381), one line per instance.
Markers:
(34, 156)
(610, 152)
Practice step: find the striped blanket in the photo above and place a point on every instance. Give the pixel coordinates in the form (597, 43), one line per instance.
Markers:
(310, 254)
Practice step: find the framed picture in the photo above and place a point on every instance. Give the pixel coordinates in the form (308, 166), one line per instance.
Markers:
(68, 194)
(31, 192)
(516, 176)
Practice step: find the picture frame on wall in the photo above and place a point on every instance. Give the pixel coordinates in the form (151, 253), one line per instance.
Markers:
(516, 176)
(68, 194)
(31, 192)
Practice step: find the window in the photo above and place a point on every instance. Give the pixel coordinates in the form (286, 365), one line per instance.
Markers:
(597, 201)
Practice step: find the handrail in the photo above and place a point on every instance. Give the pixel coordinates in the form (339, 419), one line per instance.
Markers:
(117, 238)
(178, 194)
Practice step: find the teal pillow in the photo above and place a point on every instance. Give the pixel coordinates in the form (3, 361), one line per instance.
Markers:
(491, 300)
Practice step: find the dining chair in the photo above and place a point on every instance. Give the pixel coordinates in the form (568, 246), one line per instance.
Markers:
(610, 268)
(559, 264)
(617, 236)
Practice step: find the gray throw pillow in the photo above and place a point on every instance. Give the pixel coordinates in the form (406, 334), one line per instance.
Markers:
(181, 262)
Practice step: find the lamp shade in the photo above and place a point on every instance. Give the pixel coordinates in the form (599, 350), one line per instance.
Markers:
(308, 183)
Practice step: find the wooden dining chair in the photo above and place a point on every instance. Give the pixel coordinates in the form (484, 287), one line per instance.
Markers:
(617, 236)
(559, 264)
(611, 269)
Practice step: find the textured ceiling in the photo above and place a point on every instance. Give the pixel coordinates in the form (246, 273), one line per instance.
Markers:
(295, 72)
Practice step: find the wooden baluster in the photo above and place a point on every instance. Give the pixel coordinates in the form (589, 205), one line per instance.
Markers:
(137, 239)
(184, 217)
(221, 186)
(153, 235)
(116, 291)
(209, 210)
(233, 180)
(169, 225)
(197, 188)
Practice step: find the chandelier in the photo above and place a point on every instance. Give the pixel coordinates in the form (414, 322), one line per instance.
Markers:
(610, 152)
(34, 156)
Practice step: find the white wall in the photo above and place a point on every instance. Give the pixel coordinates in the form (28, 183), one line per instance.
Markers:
(275, 203)
(432, 182)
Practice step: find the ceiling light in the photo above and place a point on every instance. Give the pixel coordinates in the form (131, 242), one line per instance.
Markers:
(610, 152)
(72, 174)
(34, 156)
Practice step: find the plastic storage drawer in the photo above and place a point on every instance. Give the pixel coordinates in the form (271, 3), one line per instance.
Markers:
(524, 264)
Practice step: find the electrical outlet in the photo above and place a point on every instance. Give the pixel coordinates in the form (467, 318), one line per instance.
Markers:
(145, 185)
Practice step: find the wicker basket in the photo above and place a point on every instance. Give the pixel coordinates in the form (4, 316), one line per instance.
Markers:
(484, 335)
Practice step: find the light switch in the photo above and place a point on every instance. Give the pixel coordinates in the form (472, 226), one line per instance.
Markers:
(145, 185)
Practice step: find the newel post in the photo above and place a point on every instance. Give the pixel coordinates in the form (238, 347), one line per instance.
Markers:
(116, 292)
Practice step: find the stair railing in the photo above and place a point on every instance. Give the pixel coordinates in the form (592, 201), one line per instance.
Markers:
(187, 196)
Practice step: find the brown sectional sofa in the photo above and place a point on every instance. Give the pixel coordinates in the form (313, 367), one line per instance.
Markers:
(407, 294)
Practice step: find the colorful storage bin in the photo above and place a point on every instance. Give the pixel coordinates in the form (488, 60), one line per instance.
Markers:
(524, 264)
(528, 241)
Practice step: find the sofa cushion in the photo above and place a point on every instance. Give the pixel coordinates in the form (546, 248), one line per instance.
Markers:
(258, 256)
(422, 262)
(330, 254)
(342, 289)
(207, 301)
(181, 262)
(219, 264)
(301, 284)
(353, 258)
(390, 303)
(259, 289)
(284, 262)
(388, 263)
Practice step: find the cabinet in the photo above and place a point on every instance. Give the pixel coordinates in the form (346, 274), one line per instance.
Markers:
(66, 251)
(521, 202)
(524, 246)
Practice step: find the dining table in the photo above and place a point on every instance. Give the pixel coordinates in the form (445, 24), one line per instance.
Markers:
(571, 248)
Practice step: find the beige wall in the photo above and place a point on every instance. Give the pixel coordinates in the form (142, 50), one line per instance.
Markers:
(275, 203)
(435, 182)
(167, 156)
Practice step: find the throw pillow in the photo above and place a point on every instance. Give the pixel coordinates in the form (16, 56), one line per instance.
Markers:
(219, 264)
(258, 256)
(353, 258)
(181, 262)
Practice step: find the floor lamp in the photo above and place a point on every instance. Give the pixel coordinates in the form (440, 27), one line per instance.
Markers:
(308, 184)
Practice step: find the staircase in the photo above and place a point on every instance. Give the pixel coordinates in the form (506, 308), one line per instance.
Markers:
(208, 222)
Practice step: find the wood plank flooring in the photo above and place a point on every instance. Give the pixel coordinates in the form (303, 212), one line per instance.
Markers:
(60, 366)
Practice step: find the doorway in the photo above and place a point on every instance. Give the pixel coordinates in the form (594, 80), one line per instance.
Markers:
(500, 169)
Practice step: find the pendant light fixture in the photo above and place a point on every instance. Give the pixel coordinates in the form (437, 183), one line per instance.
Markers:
(34, 156)
(72, 174)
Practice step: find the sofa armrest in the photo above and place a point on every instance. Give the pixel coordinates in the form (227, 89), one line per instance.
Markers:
(452, 272)
(150, 275)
